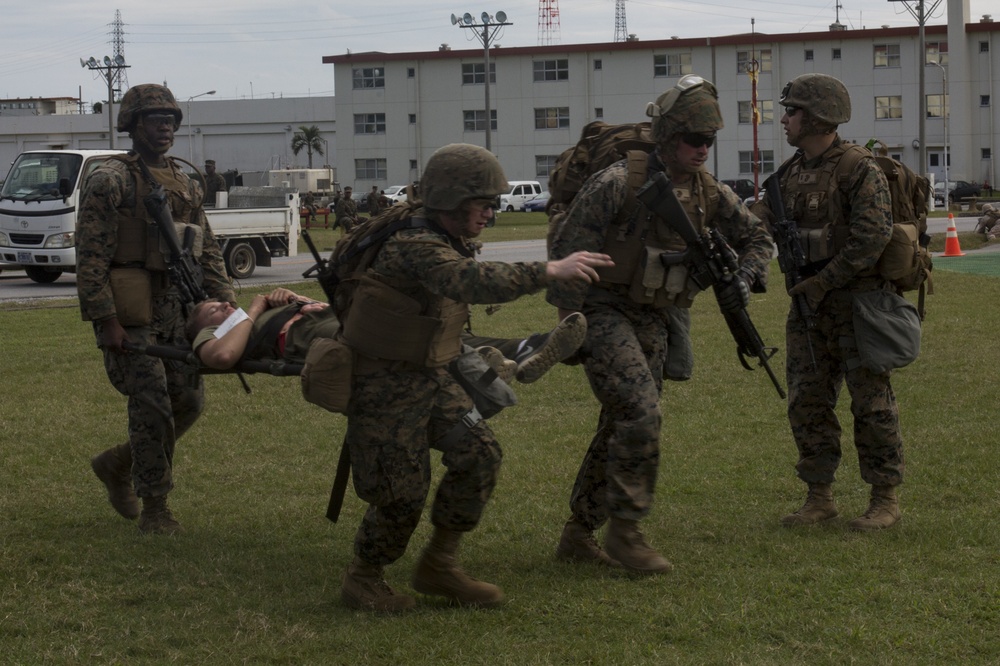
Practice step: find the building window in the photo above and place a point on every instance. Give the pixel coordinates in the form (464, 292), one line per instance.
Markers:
(413, 119)
(886, 55)
(475, 121)
(985, 153)
(473, 73)
(672, 64)
(936, 52)
(765, 108)
(766, 161)
(984, 47)
(544, 164)
(370, 169)
(743, 59)
(984, 100)
(369, 123)
(554, 117)
(599, 112)
(889, 107)
(368, 77)
(937, 106)
(598, 64)
(411, 72)
(551, 70)
(413, 165)
(835, 54)
(809, 54)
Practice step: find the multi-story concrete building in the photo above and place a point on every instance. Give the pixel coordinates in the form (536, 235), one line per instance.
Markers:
(396, 109)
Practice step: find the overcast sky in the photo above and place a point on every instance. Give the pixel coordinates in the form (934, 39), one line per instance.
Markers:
(254, 49)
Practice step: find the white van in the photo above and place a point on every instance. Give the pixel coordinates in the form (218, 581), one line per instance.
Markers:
(520, 192)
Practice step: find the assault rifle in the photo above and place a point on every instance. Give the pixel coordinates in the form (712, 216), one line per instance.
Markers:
(183, 269)
(711, 263)
(791, 256)
(321, 268)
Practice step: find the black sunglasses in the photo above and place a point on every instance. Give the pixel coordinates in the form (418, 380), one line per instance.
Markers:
(696, 140)
(792, 110)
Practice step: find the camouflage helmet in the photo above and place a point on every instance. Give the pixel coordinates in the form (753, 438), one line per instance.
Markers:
(146, 97)
(823, 96)
(690, 106)
(459, 172)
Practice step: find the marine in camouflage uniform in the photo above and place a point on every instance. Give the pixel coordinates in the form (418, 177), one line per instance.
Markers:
(346, 212)
(629, 315)
(857, 215)
(214, 183)
(125, 291)
(404, 401)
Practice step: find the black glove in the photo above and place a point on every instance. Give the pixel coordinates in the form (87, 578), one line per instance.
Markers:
(733, 295)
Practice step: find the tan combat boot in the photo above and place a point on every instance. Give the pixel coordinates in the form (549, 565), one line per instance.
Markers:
(578, 544)
(438, 574)
(156, 517)
(883, 511)
(626, 544)
(364, 588)
(114, 469)
(819, 506)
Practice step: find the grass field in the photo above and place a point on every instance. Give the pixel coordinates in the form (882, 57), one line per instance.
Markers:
(255, 578)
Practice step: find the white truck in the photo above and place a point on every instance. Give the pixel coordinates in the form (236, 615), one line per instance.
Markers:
(40, 199)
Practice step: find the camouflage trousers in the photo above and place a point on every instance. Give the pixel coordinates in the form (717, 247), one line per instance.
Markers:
(623, 355)
(164, 398)
(394, 420)
(813, 393)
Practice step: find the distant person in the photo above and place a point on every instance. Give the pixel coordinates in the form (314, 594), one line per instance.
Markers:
(214, 183)
(309, 203)
(346, 213)
(374, 202)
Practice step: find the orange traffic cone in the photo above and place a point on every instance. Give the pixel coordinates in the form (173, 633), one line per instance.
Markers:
(951, 246)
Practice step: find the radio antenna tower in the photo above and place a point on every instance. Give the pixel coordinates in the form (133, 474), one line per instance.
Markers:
(120, 78)
(621, 30)
(548, 22)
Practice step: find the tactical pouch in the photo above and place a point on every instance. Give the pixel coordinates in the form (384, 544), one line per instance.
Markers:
(384, 323)
(901, 256)
(886, 331)
(650, 277)
(326, 376)
(680, 355)
(133, 293)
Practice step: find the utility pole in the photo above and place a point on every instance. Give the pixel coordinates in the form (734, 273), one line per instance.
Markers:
(109, 72)
(490, 26)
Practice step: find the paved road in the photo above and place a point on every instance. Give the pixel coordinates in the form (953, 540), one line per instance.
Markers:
(15, 285)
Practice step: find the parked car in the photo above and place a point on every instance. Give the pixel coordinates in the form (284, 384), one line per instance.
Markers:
(361, 199)
(537, 203)
(957, 190)
(743, 187)
(397, 193)
(520, 191)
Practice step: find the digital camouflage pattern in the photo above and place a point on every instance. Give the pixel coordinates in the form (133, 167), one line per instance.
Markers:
(695, 110)
(397, 411)
(458, 172)
(214, 183)
(346, 213)
(825, 97)
(163, 401)
(627, 346)
(813, 394)
(146, 97)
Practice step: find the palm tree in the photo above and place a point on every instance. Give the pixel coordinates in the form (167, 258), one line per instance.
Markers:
(308, 138)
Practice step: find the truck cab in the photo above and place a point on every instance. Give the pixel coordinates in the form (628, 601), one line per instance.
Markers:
(39, 201)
